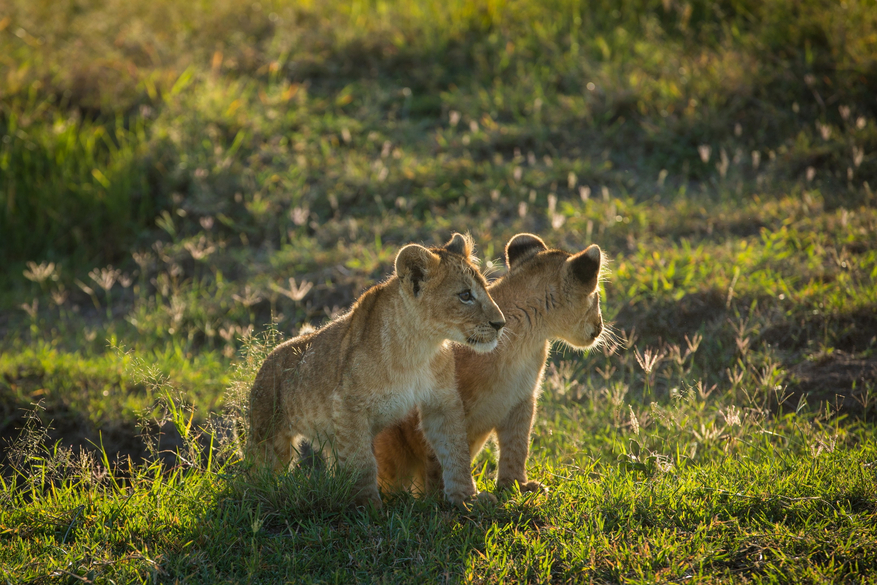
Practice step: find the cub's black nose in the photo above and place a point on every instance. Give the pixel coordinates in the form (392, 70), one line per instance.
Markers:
(497, 324)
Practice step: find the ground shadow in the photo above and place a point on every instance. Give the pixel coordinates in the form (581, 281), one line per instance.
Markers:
(301, 527)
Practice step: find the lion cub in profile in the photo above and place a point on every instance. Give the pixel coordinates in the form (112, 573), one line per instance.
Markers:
(339, 386)
(546, 294)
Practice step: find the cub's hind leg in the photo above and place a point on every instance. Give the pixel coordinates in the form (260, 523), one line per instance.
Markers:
(272, 448)
(400, 450)
(272, 436)
(431, 476)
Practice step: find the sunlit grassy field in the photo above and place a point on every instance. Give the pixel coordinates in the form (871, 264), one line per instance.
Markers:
(182, 185)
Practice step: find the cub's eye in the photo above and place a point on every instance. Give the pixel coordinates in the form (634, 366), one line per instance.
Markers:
(466, 296)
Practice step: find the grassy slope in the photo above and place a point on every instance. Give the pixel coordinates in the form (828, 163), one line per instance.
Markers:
(177, 165)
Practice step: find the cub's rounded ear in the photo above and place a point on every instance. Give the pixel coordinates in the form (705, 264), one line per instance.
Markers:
(413, 263)
(460, 244)
(585, 267)
(522, 246)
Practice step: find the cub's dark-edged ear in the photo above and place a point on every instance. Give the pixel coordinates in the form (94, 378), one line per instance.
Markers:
(585, 267)
(460, 244)
(413, 264)
(522, 246)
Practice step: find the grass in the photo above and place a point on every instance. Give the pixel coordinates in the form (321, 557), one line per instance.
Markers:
(787, 498)
(181, 186)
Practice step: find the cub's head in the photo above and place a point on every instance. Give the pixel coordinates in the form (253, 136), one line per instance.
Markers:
(562, 287)
(449, 294)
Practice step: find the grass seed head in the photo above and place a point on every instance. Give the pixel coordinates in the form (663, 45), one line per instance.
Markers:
(295, 292)
(41, 272)
(648, 359)
(31, 308)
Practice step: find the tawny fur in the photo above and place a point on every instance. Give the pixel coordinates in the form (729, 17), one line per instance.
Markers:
(337, 387)
(546, 295)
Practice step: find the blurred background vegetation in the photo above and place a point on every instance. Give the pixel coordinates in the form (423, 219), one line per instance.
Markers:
(122, 117)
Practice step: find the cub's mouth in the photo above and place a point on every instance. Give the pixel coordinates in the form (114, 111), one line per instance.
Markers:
(482, 345)
(589, 340)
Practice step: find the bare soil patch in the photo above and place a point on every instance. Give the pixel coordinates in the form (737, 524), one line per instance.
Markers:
(839, 378)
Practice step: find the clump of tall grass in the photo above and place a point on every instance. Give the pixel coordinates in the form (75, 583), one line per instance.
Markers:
(70, 183)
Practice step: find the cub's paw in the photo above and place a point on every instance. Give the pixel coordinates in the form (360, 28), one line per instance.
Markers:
(461, 499)
(485, 499)
(479, 500)
(368, 499)
(526, 486)
(534, 486)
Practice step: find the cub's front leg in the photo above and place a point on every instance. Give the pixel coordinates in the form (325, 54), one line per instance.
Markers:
(353, 445)
(443, 423)
(513, 435)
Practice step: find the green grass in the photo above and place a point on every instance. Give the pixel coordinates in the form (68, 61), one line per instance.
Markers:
(166, 169)
(787, 498)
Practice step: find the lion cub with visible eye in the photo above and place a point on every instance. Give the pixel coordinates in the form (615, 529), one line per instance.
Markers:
(339, 386)
(546, 295)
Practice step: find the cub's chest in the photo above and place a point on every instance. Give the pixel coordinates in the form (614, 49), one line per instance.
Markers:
(505, 390)
(395, 401)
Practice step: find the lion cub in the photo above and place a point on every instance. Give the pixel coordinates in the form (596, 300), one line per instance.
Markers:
(546, 294)
(339, 386)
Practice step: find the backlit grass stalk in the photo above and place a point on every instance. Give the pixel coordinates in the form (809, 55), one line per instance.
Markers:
(648, 362)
